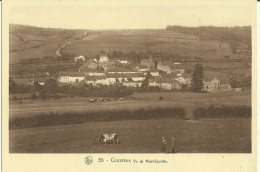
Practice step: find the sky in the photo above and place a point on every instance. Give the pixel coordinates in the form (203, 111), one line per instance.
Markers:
(120, 15)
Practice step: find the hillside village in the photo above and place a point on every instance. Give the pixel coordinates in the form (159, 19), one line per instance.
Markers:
(104, 71)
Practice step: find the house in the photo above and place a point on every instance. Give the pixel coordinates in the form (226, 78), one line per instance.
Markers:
(136, 76)
(164, 68)
(90, 63)
(170, 84)
(103, 58)
(81, 57)
(154, 73)
(225, 87)
(211, 86)
(123, 61)
(149, 63)
(71, 77)
(183, 79)
(111, 79)
(142, 68)
(132, 83)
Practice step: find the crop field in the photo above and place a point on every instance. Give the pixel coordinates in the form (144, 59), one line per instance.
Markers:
(203, 136)
(146, 40)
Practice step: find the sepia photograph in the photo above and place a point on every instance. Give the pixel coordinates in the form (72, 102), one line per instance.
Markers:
(177, 89)
(130, 78)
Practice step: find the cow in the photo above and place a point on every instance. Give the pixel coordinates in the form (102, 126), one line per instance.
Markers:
(108, 138)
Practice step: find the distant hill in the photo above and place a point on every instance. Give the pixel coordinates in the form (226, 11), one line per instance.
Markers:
(35, 42)
(232, 35)
(185, 42)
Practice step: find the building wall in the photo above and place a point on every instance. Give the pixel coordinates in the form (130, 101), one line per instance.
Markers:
(138, 78)
(68, 79)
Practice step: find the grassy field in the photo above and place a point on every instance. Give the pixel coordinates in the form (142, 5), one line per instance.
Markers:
(188, 100)
(139, 136)
(28, 42)
(146, 40)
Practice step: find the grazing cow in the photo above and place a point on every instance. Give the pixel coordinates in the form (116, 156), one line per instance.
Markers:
(106, 138)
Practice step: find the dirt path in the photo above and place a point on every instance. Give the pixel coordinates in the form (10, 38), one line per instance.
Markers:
(58, 51)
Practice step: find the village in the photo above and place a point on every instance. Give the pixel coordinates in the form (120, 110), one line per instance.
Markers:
(103, 71)
(108, 72)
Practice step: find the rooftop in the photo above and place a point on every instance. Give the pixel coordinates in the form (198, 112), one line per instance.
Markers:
(71, 74)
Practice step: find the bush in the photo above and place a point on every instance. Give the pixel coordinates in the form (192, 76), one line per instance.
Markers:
(223, 112)
(53, 119)
(160, 98)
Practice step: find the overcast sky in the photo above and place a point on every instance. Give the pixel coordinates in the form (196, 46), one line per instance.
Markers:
(152, 15)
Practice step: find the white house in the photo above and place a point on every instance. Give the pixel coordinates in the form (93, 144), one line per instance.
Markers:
(142, 68)
(132, 83)
(123, 61)
(79, 57)
(70, 77)
(136, 76)
(103, 58)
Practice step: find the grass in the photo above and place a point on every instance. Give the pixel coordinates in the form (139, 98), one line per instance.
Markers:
(137, 136)
(144, 40)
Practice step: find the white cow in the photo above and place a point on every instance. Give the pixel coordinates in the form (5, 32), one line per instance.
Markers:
(106, 138)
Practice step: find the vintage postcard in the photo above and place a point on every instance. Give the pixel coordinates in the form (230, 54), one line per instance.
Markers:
(129, 85)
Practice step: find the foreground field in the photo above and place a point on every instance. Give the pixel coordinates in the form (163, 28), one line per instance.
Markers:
(138, 136)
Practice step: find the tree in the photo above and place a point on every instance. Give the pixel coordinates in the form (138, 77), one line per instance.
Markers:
(145, 83)
(197, 78)
(51, 86)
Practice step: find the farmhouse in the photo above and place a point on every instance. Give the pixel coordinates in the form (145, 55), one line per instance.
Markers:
(81, 57)
(211, 86)
(70, 77)
(103, 58)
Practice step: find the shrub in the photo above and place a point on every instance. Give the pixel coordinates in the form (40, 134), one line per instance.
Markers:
(53, 119)
(160, 98)
(223, 112)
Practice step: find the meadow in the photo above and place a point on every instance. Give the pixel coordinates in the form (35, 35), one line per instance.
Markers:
(137, 136)
(146, 100)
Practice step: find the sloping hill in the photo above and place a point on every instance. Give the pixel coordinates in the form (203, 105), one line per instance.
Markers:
(34, 42)
(206, 43)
